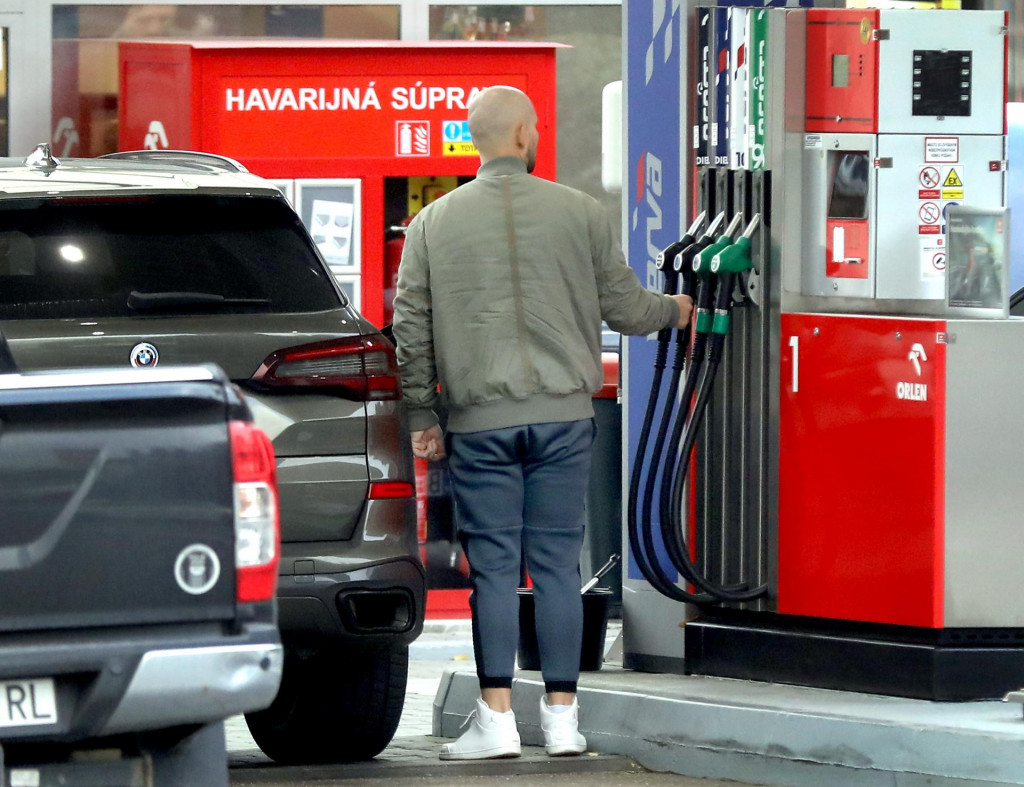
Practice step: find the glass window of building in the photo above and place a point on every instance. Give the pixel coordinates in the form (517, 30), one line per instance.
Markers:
(85, 51)
(594, 33)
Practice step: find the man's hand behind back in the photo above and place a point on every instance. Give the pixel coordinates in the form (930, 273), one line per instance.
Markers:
(428, 443)
(685, 309)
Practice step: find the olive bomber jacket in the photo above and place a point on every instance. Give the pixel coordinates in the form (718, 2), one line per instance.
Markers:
(501, 291)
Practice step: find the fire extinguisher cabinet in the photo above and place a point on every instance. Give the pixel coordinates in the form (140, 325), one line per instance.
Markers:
(358, 134)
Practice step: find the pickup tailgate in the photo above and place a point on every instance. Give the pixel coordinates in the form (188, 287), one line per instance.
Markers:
(115, 500)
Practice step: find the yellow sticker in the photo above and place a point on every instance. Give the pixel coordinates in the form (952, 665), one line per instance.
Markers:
(460, 149)
(865, 30)
(952, 180)
(952, 193)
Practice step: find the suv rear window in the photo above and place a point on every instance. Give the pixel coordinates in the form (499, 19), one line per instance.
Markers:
(133, 256)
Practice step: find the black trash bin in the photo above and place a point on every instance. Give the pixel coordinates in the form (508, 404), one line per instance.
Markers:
(595, 626)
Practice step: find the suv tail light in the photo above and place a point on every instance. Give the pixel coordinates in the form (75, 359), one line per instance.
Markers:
(257, 532)
(390, 490)
(362, 368)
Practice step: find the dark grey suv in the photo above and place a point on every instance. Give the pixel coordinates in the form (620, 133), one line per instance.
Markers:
(147, 258)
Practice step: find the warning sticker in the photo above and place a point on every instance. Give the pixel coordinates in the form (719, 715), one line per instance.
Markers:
(929, 213)
(941, 150)
(456, 140)
(952, 179)
(933, 258)
(953, 183)
(460, 149)
(928, 177)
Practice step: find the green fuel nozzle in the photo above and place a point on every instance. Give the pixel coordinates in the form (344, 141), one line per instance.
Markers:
(701, 266)
(726, 265)
(702, 262)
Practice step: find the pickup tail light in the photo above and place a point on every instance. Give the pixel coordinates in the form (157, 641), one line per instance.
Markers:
(257, 529)
(362, 368)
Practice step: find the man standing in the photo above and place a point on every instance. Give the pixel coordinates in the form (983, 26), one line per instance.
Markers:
(501, 291)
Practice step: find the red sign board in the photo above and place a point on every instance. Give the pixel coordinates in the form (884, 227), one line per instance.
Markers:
(380, 117)
(328, 108)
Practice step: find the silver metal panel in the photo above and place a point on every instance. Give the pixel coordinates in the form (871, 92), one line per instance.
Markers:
(817, 184)
(787, 44)
(652, 623)
(974, 31)
(906, 259)
(201, 684)
(984, 458)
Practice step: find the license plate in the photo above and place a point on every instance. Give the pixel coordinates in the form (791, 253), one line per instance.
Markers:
(27, 702)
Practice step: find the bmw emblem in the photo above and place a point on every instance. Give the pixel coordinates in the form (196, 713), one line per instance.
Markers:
(144, 356)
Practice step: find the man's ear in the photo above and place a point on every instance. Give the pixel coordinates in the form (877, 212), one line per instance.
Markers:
(522, 136)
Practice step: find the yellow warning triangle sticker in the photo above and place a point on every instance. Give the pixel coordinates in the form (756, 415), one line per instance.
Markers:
(952, 180)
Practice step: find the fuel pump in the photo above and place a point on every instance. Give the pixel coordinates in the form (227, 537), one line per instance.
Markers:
(727, 260)
(833, 494)
(690, 257)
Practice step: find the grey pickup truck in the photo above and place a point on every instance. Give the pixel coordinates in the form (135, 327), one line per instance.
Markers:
(138, 566)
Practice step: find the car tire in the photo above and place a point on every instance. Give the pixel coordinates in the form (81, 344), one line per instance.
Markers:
(336, 706)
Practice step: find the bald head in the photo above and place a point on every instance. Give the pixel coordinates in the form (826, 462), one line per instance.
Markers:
(503, 122)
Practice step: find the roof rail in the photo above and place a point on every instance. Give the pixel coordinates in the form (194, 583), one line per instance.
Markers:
(182, 157)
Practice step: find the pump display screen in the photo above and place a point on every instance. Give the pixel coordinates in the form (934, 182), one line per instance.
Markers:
(849, 196)
(942, 83)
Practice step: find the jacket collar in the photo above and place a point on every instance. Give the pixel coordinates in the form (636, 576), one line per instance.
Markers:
(505, 165)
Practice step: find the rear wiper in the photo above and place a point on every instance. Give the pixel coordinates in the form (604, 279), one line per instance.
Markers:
(148, 301)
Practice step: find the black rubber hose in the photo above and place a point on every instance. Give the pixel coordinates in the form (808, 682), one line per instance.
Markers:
(645, 552)
(678, 483)
(652, 573)
(671, 519)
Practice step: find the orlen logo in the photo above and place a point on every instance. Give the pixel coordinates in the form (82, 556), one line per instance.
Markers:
(648, 189)
(65, 137)
(667, 35)
(156, 137)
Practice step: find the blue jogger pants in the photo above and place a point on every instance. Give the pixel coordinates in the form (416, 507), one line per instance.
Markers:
(521, 488)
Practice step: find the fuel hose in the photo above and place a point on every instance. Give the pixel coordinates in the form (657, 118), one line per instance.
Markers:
(728, 260)
(644, 553)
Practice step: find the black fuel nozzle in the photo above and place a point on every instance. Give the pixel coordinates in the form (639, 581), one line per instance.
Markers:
(727, 264)
(664, 260)
(683, 262)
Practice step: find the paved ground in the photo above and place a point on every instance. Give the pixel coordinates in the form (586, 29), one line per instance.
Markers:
(443, 643)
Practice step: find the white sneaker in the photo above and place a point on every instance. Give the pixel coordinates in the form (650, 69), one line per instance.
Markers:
(561, 730)
(491, 735)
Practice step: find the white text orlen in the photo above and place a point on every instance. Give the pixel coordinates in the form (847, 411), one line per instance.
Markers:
(319, 99)
(915, 392)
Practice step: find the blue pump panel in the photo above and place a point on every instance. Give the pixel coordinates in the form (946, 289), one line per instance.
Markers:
(653, 103)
